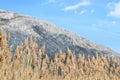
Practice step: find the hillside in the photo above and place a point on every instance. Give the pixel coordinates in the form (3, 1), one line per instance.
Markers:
(54, 38)
(27, 45)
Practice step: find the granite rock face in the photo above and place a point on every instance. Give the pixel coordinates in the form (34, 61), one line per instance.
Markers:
(54, 39)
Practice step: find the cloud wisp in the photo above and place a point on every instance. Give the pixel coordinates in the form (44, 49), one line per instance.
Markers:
(76, 6)
(114, 9)
(92, 11)
(81, 12)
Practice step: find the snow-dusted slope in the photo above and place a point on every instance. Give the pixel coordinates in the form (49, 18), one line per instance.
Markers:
(21, 26)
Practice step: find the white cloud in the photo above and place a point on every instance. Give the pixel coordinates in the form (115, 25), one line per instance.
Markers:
(114, 9)
(81, 12)
(48, 2)
(76, 6)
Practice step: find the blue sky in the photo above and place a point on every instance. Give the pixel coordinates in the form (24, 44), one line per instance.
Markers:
(96, 20)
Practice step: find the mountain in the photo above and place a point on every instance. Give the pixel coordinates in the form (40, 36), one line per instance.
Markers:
(54, 38)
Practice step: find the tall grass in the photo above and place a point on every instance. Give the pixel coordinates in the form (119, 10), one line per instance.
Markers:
(31, 63)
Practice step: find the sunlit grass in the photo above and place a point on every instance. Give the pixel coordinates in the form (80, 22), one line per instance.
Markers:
(31, 63)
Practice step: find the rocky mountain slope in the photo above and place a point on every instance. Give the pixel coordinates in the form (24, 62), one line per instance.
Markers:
(54, 39)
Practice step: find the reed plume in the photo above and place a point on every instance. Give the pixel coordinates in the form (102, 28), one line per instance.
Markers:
(31, 63)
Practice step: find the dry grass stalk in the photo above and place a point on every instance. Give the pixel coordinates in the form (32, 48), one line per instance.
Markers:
(33, 64)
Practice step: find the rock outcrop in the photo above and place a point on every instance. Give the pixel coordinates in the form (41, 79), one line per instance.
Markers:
(54, 39)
